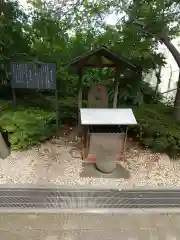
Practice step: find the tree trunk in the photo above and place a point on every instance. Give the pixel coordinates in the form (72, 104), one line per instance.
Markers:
(173, 50)
(158, 76)
(177, 101)
(163, 37)
(176, 54)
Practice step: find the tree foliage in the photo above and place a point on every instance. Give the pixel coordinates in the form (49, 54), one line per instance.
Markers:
(14, 40)
(57, 31)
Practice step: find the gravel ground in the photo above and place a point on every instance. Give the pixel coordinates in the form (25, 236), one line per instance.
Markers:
(60, 163)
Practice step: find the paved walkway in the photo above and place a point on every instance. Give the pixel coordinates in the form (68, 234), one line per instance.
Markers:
(59, 226)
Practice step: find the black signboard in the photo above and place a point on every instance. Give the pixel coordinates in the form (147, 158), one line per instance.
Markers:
(33, 76)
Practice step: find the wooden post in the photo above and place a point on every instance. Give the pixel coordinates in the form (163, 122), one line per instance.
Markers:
(80, 89)
(57, 110)
(125, 139)
(116, 91)
(79, 97)
(14, 97)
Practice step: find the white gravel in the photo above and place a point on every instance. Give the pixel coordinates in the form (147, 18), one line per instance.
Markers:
(53, 162)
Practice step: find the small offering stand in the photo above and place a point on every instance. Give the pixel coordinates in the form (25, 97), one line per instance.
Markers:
(104, 134)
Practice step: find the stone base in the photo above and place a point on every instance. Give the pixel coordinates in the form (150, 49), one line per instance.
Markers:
(105, 147)
(4, 149)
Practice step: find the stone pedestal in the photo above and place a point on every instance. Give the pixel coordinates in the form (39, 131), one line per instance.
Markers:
(4, 149)
(105, 147)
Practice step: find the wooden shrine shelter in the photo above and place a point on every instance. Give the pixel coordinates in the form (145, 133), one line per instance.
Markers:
(101, 58)
(96, 121)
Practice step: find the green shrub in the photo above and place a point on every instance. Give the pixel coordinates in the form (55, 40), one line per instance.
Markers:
(157, 129)
(27, 127)
(133, 93)
(33, 120)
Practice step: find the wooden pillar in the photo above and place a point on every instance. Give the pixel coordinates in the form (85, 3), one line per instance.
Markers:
(2, 6)
(116, 91)
(79, 98)
(80, 88)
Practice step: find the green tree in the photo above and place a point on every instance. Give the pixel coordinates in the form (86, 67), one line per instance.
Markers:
(158, 21)
(14, 39)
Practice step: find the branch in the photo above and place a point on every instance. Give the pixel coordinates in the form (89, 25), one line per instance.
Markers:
(169, 91)
(144, 27)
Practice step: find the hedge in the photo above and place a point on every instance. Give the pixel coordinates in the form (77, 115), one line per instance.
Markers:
(157, 129)
(26, 126)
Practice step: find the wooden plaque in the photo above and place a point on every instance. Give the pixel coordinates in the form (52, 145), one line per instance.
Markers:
(98, 97)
